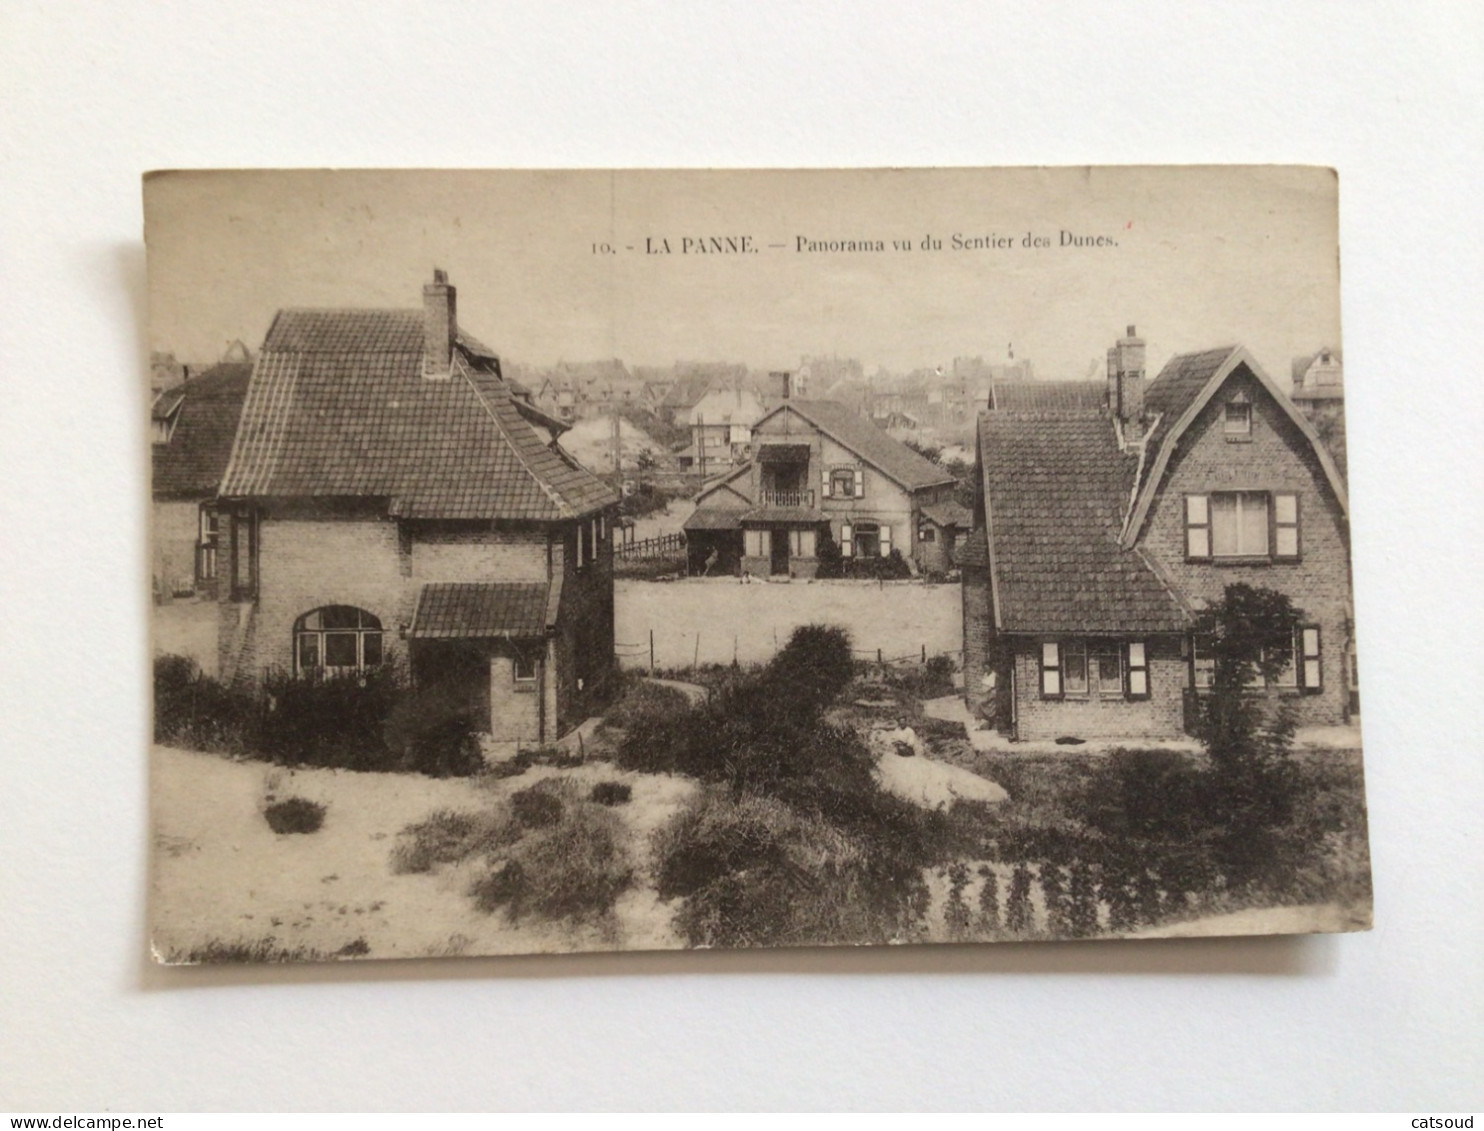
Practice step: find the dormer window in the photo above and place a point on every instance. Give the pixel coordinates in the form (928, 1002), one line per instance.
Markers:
(1238, 423)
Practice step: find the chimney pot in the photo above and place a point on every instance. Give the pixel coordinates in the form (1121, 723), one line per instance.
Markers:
(1131, 333)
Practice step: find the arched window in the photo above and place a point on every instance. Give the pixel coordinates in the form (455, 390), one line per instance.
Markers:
(336, 639)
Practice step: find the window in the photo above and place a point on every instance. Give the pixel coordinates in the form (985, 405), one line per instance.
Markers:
(926, 533)
(1239, 525)
(843, 483)
(1301, 670)
(1238, 420)
(207, 542)
(757, 543)
(1242, 524)
(243, 548)
(802, 543)
(336, 640)
(847, 540)
(524, 666)
(1092, 670)
(1051, 678)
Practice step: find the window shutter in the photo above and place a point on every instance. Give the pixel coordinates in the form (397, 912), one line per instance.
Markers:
(807, 544)
(1286, 527)
(860, 483)
(1313, 669)
(1138, 670)
(885, 541)
(847, 541)
(824, 483)
(1051, 670)
(1197, 528)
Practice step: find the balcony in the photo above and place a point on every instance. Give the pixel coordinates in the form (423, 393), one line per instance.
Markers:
(786, 499)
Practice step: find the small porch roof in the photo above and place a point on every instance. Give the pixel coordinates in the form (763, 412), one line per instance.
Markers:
(714, 518)
(483, 610)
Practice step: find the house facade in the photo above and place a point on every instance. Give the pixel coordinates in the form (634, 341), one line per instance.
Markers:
(818, 471)
(1101, 533)
(191, 431)
(390, 498)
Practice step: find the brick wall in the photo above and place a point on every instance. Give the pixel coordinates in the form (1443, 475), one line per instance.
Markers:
(1276, 458)
(444, 552)
(1159, 716)
(176, 529)
(978, 629)
(582, 651)
(515, 708)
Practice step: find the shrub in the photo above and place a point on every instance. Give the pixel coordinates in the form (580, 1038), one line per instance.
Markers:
(1019, 917)
(1082, 900)
(200, 713)
(989, 901)
(612, 793)
(573, 869)
(335, 723)
(756, 873)
(1054, 893)
(956, 911)
(446, 837)
(1150, 794)
(294, 815)
(537, 806)
(433, 731)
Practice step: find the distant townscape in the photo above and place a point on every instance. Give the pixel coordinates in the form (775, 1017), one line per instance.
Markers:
(457, 655)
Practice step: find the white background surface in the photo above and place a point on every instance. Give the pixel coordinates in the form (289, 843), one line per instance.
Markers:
(91, 95)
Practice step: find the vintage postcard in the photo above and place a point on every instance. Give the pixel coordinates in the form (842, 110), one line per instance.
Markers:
(625, 560)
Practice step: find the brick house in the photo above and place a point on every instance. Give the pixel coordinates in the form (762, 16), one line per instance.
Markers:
(817, 468)
(1108, 515)
(390, 497)
(191, 430)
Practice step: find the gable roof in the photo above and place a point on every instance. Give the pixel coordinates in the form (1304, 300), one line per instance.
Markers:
(729, 480)
(856, 432)
(949, 514)
(206, 411)
(1048, 396)
(1176, 397)
(1055, 487)
(338, 407)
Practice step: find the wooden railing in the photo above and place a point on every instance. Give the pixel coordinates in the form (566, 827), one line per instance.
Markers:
(661, 546)
(788, 498)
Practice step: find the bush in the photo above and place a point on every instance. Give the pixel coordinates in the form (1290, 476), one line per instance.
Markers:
(200, 713)
(446, 837)
(434, 732)
(989, 901)
(537, 806)
(1019, 917)
(611, 793)
(295, 815)
(756, 873)
(1150, 794)
(335, 723)
(573, 869)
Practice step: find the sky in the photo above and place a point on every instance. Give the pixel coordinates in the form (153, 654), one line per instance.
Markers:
(1193, 256)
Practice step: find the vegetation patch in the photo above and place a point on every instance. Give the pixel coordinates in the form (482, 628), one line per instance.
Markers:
(612, 793)
(294, 815)
(218, 952)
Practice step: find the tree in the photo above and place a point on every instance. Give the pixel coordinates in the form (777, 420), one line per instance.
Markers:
(1249, 632)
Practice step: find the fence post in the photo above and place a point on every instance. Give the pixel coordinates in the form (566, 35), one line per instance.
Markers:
(651, 651)
(924, 653)
(696, 658)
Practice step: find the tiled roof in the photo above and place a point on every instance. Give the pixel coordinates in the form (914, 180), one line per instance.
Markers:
(1057, 486)
(714, 518)
(338, 406)
(1178, 385)
(206, 411)
(479, 610)
(1301, 365)
(870, 443)
(1048, 396)
(949, 514)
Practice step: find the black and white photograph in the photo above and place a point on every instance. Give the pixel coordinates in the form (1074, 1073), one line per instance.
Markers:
(587, 560)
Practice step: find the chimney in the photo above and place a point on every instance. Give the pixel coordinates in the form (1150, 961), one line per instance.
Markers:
(440, 322)
(780, 384)
(1126, 383)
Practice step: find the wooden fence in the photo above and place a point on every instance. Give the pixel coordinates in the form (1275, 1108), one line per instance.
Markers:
(662, 546)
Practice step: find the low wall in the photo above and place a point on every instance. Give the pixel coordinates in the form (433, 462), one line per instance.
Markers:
(713, 620)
